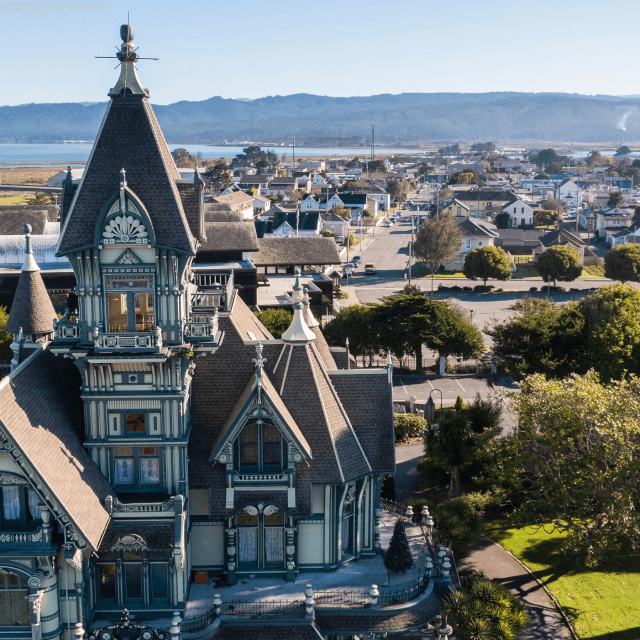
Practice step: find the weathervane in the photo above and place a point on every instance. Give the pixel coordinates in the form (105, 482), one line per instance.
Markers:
(127, 56)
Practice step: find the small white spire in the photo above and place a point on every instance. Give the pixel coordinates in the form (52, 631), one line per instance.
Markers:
(298, 331)
(29, 263)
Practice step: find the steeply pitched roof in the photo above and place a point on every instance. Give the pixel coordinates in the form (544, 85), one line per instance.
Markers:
(315, 405)
(368, 398)
(471, 227)
(31, 309)
(484, 195)
(561, 236)
(275, 250)
(41, 412)
(130, 139)
(306, 220)
(191, 197)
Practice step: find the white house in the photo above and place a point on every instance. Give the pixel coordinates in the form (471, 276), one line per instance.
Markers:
(319, 201)
(56, 181)
(520, 212)
(238, 201)
(334, 223)
(611, 218)
(475, 233)
(569, 192)
(319, 180)
(261, 204)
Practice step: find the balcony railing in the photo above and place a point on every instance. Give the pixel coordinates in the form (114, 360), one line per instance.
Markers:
(201, 328)
(151, 342)
(24, 539)
(212, 295)
(67, 329)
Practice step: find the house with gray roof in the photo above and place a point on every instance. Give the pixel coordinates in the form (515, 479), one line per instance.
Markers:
(474, 234)
(159, 434)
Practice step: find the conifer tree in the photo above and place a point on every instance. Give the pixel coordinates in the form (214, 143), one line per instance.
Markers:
(398, 556)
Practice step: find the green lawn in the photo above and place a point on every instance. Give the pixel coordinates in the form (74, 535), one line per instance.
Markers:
(6, 201)
(599, 603)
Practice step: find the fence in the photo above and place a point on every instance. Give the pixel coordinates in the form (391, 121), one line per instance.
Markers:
(429, 364)
(199, 622)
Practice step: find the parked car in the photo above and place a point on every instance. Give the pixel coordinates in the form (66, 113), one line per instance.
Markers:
(388, 224)
(340, 239)
(356, 260)
(369, 269)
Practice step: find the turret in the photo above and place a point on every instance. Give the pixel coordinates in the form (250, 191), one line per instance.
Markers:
(32, 315)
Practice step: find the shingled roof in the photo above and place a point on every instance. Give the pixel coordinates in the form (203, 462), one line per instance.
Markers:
(274, 250)
(129, 138)
(12, 219)
(48, 434)
(229, 236)
(31, 310)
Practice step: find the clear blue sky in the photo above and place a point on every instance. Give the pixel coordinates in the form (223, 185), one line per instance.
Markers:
(254, 48)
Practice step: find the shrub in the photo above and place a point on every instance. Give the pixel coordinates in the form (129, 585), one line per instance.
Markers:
(397, 557)
(459, 405)
(484, 415)
(458, 525)
(432, 472)
(484, 503)
(533, 289)
(485, 609)
(467, 288)
(408, 426)
(276, 321)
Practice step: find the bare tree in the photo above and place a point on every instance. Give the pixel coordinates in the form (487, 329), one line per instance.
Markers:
(437, 242)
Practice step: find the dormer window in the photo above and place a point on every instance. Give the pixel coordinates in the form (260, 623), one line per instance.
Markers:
(260, 448)
(20, 505)
(130, 307)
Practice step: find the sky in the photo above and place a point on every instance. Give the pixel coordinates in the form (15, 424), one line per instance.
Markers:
(256, 48)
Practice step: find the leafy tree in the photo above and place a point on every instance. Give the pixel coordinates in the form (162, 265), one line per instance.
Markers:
(410, 320)
(182, 158)
(484, 415)
(601, 331)
(483, 147)
(356, 322)
(487, 262)
(376, 166)
(293, 195)
(398, 190)
(397, 557)
(453, 443)
(551, 204)
(616, 199)
(546, 157)
(342, 212)
(540, 337)
(276, 321)
(623, 263)
(502, 220)
(450, 150)
(485, 610)
(437, 242)
(542, 176)
(468, 176)
(636, 214)
(623, 151)
(545, 217)
(5, 337)
(353, 163)
(218, 175)
(458, 526)
(38, 199)
(573, 462)
(560, 263)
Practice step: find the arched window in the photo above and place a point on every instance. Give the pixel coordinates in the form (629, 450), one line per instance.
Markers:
(260, 448)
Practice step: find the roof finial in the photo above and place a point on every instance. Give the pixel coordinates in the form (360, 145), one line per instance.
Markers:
(29, 261)
(259, 362)
(298, 331)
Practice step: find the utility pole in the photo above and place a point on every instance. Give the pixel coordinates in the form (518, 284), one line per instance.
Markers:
(294, 153)
(558, 209)
(410, 251)
(373, 142)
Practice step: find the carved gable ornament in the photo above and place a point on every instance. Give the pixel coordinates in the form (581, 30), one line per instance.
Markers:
(128, 257)
(129, 542)
(125, 230)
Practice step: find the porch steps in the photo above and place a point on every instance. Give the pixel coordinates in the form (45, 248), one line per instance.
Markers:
(15, 633)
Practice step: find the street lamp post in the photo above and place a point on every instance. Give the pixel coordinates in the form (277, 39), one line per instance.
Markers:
(548, 287)
(430, 412)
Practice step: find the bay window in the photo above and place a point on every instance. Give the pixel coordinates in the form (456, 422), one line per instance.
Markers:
(137, 468)
(130, 309)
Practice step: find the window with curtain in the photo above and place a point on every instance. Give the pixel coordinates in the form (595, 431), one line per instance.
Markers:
(274, 538)
(123, 465)
(247, 538)
(260, 448)
(11, 504)
(34, 505)
(149, 465)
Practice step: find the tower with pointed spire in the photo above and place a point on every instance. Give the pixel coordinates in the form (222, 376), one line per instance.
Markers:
(32, 316)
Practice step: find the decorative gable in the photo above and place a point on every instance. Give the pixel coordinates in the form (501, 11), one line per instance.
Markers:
(128, 257)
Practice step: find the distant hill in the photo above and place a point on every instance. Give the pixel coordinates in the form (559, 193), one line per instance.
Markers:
(398, 118)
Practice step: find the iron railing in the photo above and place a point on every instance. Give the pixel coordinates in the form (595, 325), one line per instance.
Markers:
(341, 598)
(292, 608)
(199, 622)
(400, 596)
(394, 507)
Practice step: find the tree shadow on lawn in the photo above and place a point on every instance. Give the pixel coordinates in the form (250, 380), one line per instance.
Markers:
(627, 634)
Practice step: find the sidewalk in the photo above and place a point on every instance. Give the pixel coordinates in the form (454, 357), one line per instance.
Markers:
(490, 558)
